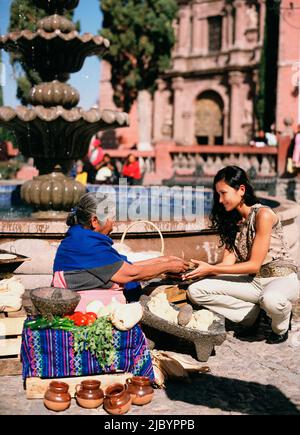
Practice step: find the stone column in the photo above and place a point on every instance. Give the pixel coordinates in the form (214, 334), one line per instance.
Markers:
(204, 35)
(224, 32)
(159, 110)
(236, 79)
(229, 29)
(184, 30)
(262, 18)
(177, 86)
(196, 30)
(145, 104)
(240, 22)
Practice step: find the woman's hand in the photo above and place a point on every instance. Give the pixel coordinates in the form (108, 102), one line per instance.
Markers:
(203, 269)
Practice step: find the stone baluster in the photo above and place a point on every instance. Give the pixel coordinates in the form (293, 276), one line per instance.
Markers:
(265, 167)
(226, 161)
(219, 163)
(175, 162)
(199, 161)
(273, 172)
(184, 162)
(191, 163)
(254, 163)
(231, 160)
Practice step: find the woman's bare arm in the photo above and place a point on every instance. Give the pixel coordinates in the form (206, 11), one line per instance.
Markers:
(229, 258)
(264, 223)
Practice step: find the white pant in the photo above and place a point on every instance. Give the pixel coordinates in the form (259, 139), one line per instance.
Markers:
(240, 297)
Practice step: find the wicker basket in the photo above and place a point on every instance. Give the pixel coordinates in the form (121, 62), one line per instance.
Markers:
(126, 248)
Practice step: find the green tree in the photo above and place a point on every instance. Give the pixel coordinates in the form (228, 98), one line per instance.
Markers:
(142, 37)
(4, 134)
(24, 14)
(266, 98)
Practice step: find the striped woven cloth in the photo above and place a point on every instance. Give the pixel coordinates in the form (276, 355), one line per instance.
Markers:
(50, 353)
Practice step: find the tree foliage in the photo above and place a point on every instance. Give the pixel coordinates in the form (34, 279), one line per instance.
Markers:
(142, 37)
(4, 133)
(266, 99)
(24, 14)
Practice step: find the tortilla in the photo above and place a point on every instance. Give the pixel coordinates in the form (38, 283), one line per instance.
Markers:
(7, 256)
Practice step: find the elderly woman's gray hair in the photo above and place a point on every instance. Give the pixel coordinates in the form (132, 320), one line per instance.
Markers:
(90, 204)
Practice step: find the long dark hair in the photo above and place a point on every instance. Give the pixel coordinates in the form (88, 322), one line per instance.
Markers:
(226, 222)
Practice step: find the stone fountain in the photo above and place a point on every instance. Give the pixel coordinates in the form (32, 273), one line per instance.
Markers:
(54, 131)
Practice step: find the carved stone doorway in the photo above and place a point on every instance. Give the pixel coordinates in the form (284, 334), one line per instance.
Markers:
(209, 128)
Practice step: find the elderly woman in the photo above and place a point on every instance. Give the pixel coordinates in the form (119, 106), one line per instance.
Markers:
(86, 259)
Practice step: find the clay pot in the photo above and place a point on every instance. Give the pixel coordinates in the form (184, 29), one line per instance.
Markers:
(57, 397)
(140, 389)
(117, 400)
(89, 394)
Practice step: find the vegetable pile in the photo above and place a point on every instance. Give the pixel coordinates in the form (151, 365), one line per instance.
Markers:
(91, 334)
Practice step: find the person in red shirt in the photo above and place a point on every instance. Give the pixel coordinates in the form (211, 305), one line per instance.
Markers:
(131, 170)
(93, 159)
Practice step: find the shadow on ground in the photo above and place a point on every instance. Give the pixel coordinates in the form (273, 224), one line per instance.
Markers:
(231, 395)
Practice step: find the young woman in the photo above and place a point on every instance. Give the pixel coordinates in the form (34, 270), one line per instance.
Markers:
(86, 259)
(256, 270)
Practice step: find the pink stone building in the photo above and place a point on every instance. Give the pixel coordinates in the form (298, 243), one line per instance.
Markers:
(288, 88)
(207, 97)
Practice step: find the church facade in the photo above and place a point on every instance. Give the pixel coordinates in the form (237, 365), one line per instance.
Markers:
(208, 95)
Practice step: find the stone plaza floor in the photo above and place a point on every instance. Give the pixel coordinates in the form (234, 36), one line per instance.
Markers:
(247, 377)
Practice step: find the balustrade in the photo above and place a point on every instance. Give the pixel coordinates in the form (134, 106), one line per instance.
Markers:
(168, 160)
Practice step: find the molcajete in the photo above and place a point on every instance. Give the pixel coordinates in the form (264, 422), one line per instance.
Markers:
(140, 389)
(204, 342)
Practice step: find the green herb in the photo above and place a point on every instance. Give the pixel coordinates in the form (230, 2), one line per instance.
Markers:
(98, 339)
(56, 323)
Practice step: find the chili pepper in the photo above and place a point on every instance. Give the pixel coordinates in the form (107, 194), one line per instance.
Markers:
(40, 323)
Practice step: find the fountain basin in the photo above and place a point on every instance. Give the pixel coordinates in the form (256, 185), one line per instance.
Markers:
(39, 239)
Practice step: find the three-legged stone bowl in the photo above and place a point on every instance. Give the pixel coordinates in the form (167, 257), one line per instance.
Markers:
(204, 341)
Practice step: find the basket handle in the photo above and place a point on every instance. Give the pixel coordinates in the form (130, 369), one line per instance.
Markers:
(154, 226)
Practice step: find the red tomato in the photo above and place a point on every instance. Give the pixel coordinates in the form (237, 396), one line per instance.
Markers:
(79, 319)
(91, 314)
(90, 318)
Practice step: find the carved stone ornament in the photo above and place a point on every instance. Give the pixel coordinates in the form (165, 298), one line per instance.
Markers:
(53, 191)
